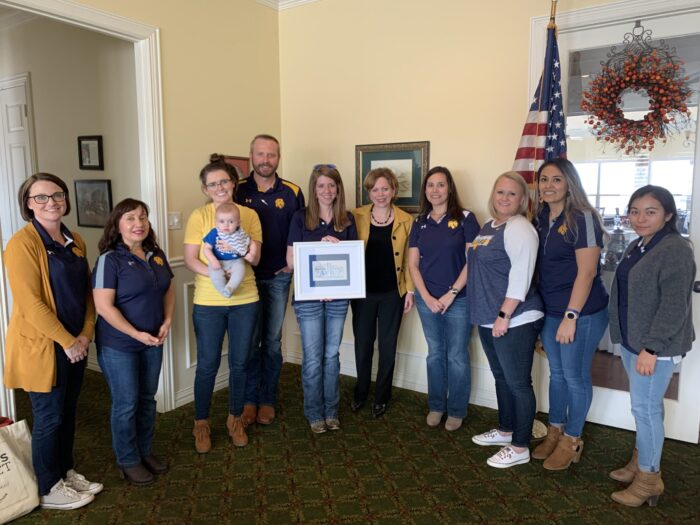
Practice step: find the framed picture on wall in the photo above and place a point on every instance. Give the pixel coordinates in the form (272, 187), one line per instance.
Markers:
(90, 155)
(242, 165)
(93, 200)
(329, 270)
(408, 160)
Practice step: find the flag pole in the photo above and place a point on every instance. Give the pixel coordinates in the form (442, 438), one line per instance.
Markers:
(552, 14)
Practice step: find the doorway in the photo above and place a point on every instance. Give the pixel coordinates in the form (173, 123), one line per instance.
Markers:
(145, 41)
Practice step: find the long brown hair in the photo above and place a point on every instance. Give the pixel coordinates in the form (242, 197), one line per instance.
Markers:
(111, 236)
(576, 199)
(312, 215)
(454, 205)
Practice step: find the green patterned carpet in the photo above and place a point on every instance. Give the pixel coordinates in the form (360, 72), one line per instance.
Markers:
(394, 470)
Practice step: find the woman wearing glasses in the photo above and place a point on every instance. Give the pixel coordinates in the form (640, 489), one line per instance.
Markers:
(214, 315)
(321, 322)
(385, 228)
(48, 336)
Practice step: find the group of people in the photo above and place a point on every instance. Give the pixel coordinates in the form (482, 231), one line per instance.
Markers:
(512, 278)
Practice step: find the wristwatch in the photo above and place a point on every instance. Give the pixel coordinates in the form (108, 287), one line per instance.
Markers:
(454, 291)
(650, 351)
(571, 314)
(503, 315)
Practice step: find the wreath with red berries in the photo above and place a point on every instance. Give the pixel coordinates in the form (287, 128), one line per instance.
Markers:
(654, 72)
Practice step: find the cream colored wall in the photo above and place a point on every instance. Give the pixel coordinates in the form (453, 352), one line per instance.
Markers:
(377, 71)
(220, 76)
(82, 84)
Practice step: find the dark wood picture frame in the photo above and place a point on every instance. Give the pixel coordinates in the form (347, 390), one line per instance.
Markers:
(242, 165)
(408, 160)
(93, 201)
(90, 155)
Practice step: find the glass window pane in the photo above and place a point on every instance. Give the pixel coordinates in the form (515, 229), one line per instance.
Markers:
(618, 178)
(588, 172)
(674, 175)
(611, 203)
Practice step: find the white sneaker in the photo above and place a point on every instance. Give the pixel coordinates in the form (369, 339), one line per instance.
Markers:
(492, 437)
(62, 497)
(79, 484)
(507, 457)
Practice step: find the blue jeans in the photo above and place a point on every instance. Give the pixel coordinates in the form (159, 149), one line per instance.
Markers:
(570, 384)
(647, 396)
(53, 429)
(510, 357)
(211, 324)
(449, 372)
(133, 381)
(321, 324)
(265, 363)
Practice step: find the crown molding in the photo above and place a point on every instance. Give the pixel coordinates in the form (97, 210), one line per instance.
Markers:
(281, 5)
(11, 19)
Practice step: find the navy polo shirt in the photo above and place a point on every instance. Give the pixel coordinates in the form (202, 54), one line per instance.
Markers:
(299, 233)
(275, 208)
(69, 277)
(556, 262)
(442, 252)
(139, 290)
(622, 276)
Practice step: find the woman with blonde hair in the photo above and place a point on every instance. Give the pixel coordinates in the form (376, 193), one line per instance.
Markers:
(384, 227)
(325, 219)
(508, 311)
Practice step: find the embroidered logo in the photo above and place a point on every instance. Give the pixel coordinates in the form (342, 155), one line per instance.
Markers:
(158, 260)
(248, 200)
(77, 251)
(279, 203)
(563, 229)
(452, 224)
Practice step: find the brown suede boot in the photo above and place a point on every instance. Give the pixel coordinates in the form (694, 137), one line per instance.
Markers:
(544, 449)
(236, 429)
(626, 473)
(568, 450)
(646, 486)
(202, 436)
(250, 412)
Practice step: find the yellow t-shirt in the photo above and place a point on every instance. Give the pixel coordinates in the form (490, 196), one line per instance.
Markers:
(199, 224)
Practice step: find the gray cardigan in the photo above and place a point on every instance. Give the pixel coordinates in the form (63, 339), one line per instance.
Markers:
(660, 285)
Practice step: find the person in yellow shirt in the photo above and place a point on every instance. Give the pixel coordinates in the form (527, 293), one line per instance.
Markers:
(214, 315)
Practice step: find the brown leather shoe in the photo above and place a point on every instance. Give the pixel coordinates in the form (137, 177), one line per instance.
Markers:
(544, 449)
(568, 451)
(202, 436)
(626, 474)
(266, 414)
(137, 475)
(646, 487)
(236, 429)
(249, 414)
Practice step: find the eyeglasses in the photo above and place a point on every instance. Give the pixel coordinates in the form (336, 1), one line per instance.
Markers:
(59, 196)
(319, 166)
(218, 184)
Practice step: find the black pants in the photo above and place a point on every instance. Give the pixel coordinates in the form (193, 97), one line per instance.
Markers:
(379, 312)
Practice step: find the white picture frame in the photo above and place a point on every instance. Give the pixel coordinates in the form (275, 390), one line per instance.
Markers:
(329, 270)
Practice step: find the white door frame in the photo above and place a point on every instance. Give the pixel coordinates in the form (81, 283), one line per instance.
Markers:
(627, 11)
(146, 40)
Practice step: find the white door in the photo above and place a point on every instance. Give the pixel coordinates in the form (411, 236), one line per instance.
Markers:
(612, 407)
(17, 162)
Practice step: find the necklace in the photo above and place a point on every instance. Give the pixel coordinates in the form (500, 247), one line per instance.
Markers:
(386, 220)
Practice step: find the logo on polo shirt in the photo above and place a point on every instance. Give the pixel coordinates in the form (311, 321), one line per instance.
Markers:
(248, 200)
(158, 260)
(279, 203)
(452, 224)
(77, 251)
(563, 229)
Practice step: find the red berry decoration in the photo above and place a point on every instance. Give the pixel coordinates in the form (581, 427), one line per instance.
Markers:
(654, 71)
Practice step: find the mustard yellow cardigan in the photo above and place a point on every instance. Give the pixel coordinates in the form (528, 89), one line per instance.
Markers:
(400, 231)
(30, 360)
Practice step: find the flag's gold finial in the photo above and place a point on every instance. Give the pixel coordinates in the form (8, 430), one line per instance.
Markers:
(552, 24)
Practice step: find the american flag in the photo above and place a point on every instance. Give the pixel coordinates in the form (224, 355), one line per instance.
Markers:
(544, 134)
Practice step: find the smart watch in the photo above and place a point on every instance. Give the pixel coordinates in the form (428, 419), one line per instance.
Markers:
(571, 314)
(503, 315)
